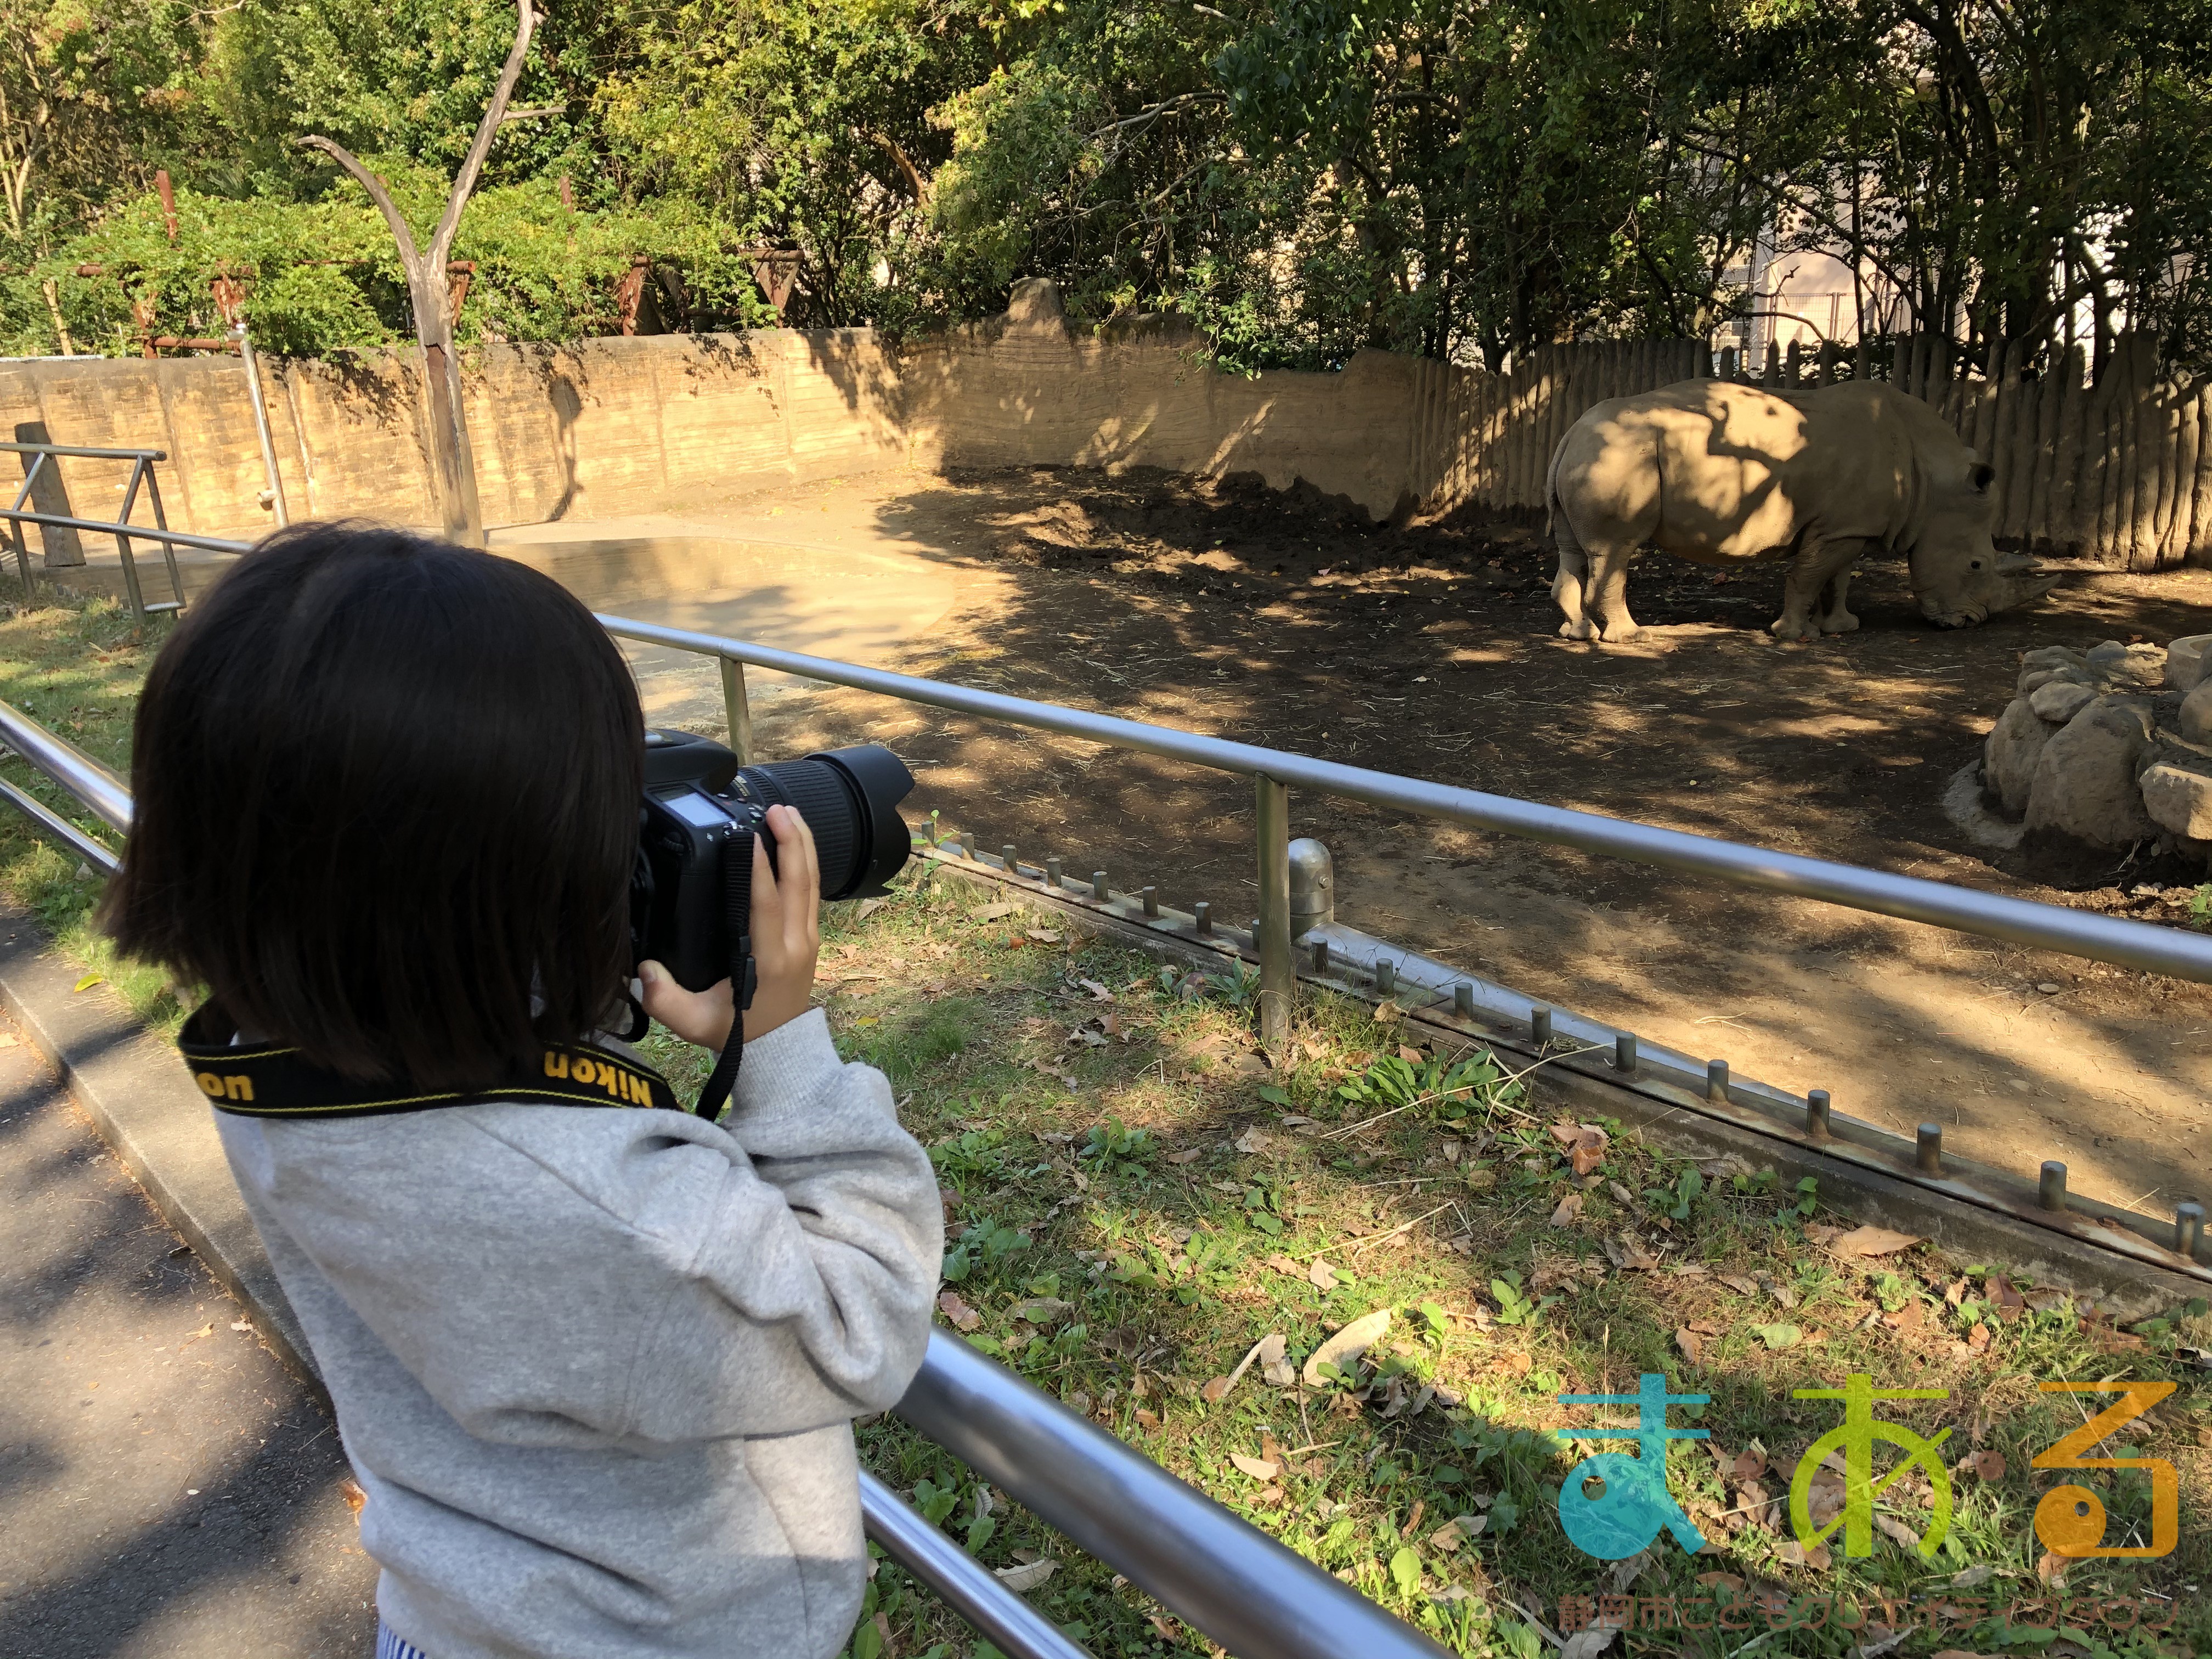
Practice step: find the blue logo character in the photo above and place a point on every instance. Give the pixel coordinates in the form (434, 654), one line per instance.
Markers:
(1635, 1503)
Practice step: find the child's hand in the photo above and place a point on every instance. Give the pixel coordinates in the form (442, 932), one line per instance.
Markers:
(787, 939)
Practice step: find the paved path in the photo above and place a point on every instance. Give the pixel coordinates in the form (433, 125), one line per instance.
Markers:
(167, 1489)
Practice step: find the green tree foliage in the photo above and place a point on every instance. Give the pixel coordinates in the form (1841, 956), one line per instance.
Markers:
(1302, 180)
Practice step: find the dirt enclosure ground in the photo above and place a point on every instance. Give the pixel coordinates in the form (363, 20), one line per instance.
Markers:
(1429, 650)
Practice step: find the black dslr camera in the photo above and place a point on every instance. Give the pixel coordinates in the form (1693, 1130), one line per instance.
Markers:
(691, 893)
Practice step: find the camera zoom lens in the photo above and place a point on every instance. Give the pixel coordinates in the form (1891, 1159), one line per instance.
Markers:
(849, 799)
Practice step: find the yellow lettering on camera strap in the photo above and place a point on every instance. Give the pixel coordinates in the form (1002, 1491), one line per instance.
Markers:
(265, 1081)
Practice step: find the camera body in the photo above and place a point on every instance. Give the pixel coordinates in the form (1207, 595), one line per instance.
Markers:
(691, 891)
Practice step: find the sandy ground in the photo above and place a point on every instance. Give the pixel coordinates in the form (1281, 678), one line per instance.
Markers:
(167, 1489)
(1430, 651)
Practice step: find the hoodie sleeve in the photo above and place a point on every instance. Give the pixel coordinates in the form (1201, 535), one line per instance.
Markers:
(807, 1265)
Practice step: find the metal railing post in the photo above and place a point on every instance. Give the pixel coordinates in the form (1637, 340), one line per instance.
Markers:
(740, 711)
(1278, 974)
(161, 522)
(123, 544)
(245, 356)
(15, 525)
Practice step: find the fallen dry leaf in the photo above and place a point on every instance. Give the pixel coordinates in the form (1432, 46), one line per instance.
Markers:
(1727, 1581)
(1978, 1338)
(1589, 1150)
(962, 1316)
(1045, 936)
(1897, 1532)
(1252, 1142)
(993, 912)
(1906, 1318)
(1410, 1054)
(1096, 989)
(350, 1489)
(1796, 1555)
(1739, 1284)
(1259, 1468)
(1820, 1233)
(1283, 1264)
(1323, 1275)
(2052, 1567)
(1570, 1208)
(1620, 1194)
(1027, 1576)
(1148, 1421)
(1217, 1391)
(1984, 1466)
(1564, 1132)
(1688, 1342)
(1516, 1363)
(1189, 1157)
(1872, 1241)
(1042, 1310)
(1343, 1349)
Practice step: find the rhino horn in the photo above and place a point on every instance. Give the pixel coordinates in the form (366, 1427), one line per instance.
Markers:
(2024, 579)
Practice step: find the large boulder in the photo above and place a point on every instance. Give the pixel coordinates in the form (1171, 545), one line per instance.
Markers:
(2179, 799)
(2138, 664)
(2010, 755)
(2084, 787)
(2194, 721)
(2059, 700)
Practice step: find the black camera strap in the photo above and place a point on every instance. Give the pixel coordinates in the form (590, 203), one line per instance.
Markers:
(267, 1080)
(744, 973)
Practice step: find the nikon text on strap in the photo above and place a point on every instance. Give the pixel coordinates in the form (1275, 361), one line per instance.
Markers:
(265, 1080)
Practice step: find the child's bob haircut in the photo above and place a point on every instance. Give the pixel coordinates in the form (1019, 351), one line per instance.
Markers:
(386, 806)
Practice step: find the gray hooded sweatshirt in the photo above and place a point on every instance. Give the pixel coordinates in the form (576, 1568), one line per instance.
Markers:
(597, 1368)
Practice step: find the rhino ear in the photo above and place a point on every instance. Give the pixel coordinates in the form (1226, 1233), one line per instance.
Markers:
(1981, 475)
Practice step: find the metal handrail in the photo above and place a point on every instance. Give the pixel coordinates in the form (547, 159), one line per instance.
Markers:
(1216, 1571)
(17, 515)
(135, 532)
(101, 790)
(79, 450)
(1913, 898)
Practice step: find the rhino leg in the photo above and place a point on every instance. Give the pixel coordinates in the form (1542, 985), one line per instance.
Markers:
(1835, 615)
(1813, 569)
(1607, 591)
(1567, 586)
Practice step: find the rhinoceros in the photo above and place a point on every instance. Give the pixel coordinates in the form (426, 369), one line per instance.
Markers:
(1727, 474)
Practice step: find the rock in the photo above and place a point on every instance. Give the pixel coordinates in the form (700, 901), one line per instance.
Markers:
(2140, 665)
(2010, 752)
(2194, 722)
(2085, 779)
(2051, 656)
(2179, 800)
(2185, 661)
(2067, 673)
(2059, 700)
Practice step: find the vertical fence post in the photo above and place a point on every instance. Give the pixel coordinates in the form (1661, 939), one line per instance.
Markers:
(245, 356)
(1277, 975)
(740, 712)
(131, 590)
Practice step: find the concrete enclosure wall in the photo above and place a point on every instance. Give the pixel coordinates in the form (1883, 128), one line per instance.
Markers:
(606, 426)
(2121, 471)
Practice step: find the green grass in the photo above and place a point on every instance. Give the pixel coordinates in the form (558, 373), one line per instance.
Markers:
(1109, 1239)
(75, 665)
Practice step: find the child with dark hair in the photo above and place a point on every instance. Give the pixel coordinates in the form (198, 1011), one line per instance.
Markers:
(595, 1364)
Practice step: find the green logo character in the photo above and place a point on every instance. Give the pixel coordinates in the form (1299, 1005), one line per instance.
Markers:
(1860, 1429)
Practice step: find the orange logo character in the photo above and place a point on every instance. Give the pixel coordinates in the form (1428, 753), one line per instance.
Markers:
(2070, 1519)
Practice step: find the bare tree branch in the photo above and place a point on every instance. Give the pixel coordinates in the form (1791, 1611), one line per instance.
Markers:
(377, 193)
(441, 244)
